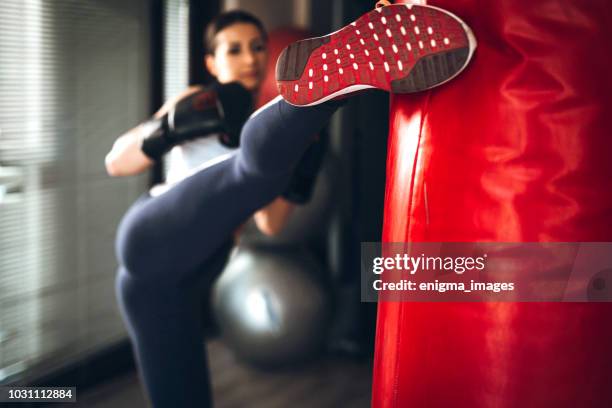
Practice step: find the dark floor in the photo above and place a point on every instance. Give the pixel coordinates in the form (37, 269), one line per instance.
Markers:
(328, 382)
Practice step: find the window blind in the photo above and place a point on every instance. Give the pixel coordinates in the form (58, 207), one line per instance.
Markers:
(176, 47)
(176, 55)
(74, 75)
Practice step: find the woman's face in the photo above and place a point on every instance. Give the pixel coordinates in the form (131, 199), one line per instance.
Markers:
(240, 55)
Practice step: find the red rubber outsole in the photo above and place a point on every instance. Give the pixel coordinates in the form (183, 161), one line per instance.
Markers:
(399, 48)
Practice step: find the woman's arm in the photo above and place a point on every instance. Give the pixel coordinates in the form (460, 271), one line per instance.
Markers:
(126, 157)
(271, 219)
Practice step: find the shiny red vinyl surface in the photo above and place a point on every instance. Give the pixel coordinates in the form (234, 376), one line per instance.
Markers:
(515, 149)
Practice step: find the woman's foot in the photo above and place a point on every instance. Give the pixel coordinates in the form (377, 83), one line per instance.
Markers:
(398, 48)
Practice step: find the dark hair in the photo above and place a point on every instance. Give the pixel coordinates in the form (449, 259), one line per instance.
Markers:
(225, 20)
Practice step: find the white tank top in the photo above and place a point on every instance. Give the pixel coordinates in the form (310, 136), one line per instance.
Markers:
(191, 157)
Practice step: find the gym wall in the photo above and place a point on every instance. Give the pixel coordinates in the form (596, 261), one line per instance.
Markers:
(287, 13)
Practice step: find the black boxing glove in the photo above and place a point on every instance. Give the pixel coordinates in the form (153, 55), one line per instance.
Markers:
(219, 109)
(300, 187)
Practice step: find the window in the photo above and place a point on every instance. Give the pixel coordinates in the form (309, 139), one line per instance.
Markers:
(74, 74)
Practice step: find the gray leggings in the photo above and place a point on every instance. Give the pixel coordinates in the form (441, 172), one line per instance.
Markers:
(169, 246)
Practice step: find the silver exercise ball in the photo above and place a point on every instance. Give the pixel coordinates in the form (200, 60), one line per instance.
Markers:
(272, 306)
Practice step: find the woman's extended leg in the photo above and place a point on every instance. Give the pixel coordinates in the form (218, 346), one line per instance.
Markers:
(173, 233)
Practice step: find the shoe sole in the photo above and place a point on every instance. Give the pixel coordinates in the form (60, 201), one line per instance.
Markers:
(398, 48)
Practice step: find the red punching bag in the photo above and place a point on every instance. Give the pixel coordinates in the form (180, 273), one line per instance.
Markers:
(515, 149)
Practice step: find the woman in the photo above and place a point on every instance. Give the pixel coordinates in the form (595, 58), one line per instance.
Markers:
(235, 51)
(167, 252)
(169, 243)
